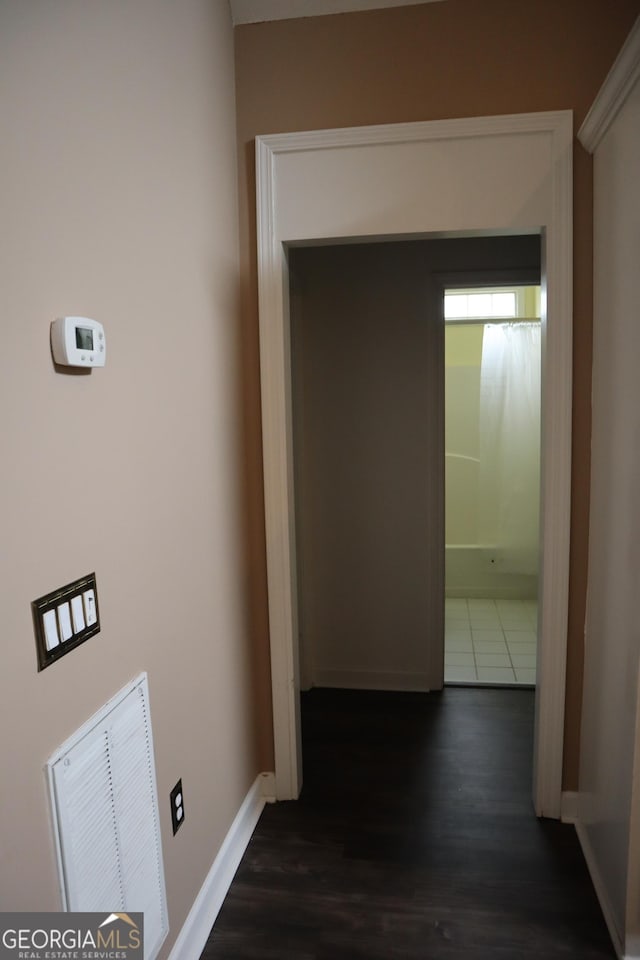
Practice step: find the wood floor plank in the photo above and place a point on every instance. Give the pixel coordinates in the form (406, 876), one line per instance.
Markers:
(414, 838)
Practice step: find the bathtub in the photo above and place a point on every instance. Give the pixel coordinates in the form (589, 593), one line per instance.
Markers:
(474, 569)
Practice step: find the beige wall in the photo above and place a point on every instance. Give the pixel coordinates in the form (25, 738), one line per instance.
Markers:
(609, 787)
(368, 414)
(432, 61)
(118, 199)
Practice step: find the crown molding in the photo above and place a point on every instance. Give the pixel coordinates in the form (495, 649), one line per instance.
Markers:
(613, 92)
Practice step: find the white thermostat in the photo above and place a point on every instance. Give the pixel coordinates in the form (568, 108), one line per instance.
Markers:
(78, 342)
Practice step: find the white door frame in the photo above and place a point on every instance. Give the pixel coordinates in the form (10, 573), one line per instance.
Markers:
(485, 175)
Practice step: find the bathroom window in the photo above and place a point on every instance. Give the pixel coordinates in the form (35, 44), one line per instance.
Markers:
(485, 304)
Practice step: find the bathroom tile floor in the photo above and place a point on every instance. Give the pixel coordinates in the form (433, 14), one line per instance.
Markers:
(490, 641)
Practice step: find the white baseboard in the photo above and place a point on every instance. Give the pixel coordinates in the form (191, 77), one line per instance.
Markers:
(601, 891)
(569, 806)
(268, 787)
(371, 680)
(206, 907)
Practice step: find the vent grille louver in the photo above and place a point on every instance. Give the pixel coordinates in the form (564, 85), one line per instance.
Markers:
(105, 806)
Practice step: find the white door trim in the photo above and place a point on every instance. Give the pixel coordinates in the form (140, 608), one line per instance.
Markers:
(306, 191)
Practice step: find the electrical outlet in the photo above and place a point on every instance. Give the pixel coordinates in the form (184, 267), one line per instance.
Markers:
(177, 807)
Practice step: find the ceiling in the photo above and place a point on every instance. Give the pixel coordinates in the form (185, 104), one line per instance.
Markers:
(256, 11)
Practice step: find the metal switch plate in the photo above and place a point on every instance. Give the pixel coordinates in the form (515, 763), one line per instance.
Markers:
(65, 618)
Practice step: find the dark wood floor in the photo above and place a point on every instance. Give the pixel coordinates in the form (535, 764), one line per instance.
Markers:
(414, 839)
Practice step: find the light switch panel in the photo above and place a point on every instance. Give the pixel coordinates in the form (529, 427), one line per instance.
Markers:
(65, 618)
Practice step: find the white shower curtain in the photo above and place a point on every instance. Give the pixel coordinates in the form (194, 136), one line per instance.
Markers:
(509, 479)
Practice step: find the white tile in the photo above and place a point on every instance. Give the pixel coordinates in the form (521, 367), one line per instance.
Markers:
(460, 641)
(486, 623)
(525, 675)
(520, 636)
(496, 674)
(490, 646)
(457, 623)
(489, 634)
(484, 618)
(458, 646)
(456, 606)
(489, 615)
(515, 623)
(479, 605)
(493, 660)
(458, 658)
(510, 606)
(460, 674)
(523, 660)
(463, 630)
(522, 649)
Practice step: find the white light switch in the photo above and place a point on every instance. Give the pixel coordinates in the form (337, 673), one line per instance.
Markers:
(50, 629)
(90, 607)
(77, 613)
(64, 621)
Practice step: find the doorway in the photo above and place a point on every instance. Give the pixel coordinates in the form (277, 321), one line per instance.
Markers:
(368, 405)
(492, 470)
(502, 175)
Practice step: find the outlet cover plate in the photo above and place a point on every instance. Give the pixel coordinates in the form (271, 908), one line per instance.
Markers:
(177, 807)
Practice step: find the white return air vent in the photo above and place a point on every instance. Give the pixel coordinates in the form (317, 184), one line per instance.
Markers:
(105, 813)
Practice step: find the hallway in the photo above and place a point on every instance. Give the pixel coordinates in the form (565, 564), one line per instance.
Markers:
(414, 839)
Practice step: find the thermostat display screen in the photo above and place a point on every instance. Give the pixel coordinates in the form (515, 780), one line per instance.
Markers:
(84, 338)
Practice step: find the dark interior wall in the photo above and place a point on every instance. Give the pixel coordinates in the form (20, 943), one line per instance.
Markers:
(458, 58)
